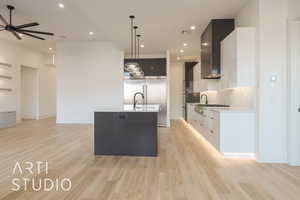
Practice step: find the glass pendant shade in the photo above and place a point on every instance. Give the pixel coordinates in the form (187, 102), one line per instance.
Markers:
(132, 66)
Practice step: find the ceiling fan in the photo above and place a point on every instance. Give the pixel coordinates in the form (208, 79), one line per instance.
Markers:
(16, 30)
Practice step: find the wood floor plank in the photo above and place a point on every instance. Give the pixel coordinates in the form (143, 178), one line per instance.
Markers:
(188, 168)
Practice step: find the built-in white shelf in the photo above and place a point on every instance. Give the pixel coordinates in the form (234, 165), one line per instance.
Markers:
(5, 77)
(5, 64)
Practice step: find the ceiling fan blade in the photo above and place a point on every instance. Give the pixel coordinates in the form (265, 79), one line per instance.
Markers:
(16, 35)
(27, 25)
(3, 20)
(37, 32)
(34, 36)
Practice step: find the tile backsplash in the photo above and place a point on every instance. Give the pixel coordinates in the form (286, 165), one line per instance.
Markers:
(235, 97)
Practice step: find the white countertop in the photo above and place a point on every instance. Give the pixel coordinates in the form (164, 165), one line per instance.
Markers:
(229, 109)
(129, 108)
(232, 109)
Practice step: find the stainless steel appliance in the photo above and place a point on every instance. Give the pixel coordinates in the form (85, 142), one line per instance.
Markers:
(155, 92)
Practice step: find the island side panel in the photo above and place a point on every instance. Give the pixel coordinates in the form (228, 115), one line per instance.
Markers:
(126, 133)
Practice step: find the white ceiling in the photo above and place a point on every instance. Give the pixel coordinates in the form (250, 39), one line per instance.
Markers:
(160, 21)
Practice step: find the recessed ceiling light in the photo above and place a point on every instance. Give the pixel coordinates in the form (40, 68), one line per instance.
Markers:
(61, 5)
(185, 44)
(142, 46)
(181, 51)
(50, 49)
(91, 33)
(193, 27)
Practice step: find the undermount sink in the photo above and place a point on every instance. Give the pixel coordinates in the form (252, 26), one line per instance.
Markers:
(199, 108)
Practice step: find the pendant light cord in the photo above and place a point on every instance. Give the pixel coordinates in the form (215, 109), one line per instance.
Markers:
(131, 50)
(135, 40)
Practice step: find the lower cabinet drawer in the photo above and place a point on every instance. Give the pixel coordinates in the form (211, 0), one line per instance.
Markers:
(214, 139)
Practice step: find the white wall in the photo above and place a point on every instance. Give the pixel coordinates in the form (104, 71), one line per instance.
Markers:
(270, 19)
(47, 92)
(248, 15)
(294, 94)
(294, 8)
(17, 55)
(272, 61)
(89, 76)
(294, 73)
(29, 93)
(176, 90)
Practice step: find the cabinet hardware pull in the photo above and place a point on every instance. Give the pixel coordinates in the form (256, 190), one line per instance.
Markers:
(122, 116)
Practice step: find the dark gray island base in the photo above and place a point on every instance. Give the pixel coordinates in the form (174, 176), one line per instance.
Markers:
(125, 133)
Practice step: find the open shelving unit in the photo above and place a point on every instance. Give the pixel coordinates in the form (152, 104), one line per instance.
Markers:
(5, 77)
(5, 89)
(2, 64)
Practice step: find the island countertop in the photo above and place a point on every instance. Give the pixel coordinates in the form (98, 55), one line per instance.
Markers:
(129, 108)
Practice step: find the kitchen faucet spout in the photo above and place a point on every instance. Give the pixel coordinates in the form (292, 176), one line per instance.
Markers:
(134, 98)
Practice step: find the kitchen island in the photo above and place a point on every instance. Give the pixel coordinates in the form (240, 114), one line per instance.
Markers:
(126, 132)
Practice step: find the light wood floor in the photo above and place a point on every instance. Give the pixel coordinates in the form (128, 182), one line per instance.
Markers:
(186, 169)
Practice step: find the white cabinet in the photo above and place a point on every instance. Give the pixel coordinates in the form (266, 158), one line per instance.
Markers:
(238, 59)
(7, 119)
(193, 116)
(232, 132)
(214, 129)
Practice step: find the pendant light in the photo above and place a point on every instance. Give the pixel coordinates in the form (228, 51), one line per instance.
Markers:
(137, 72)
(140, 72)
(138, 44)
(131, 66)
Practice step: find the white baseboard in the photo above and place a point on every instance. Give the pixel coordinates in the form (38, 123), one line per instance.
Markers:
(46, 116)
(294, 164)
(239, 155)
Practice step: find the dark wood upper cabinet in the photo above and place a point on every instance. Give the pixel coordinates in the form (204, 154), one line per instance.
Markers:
(151, 66)
(211, 39)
